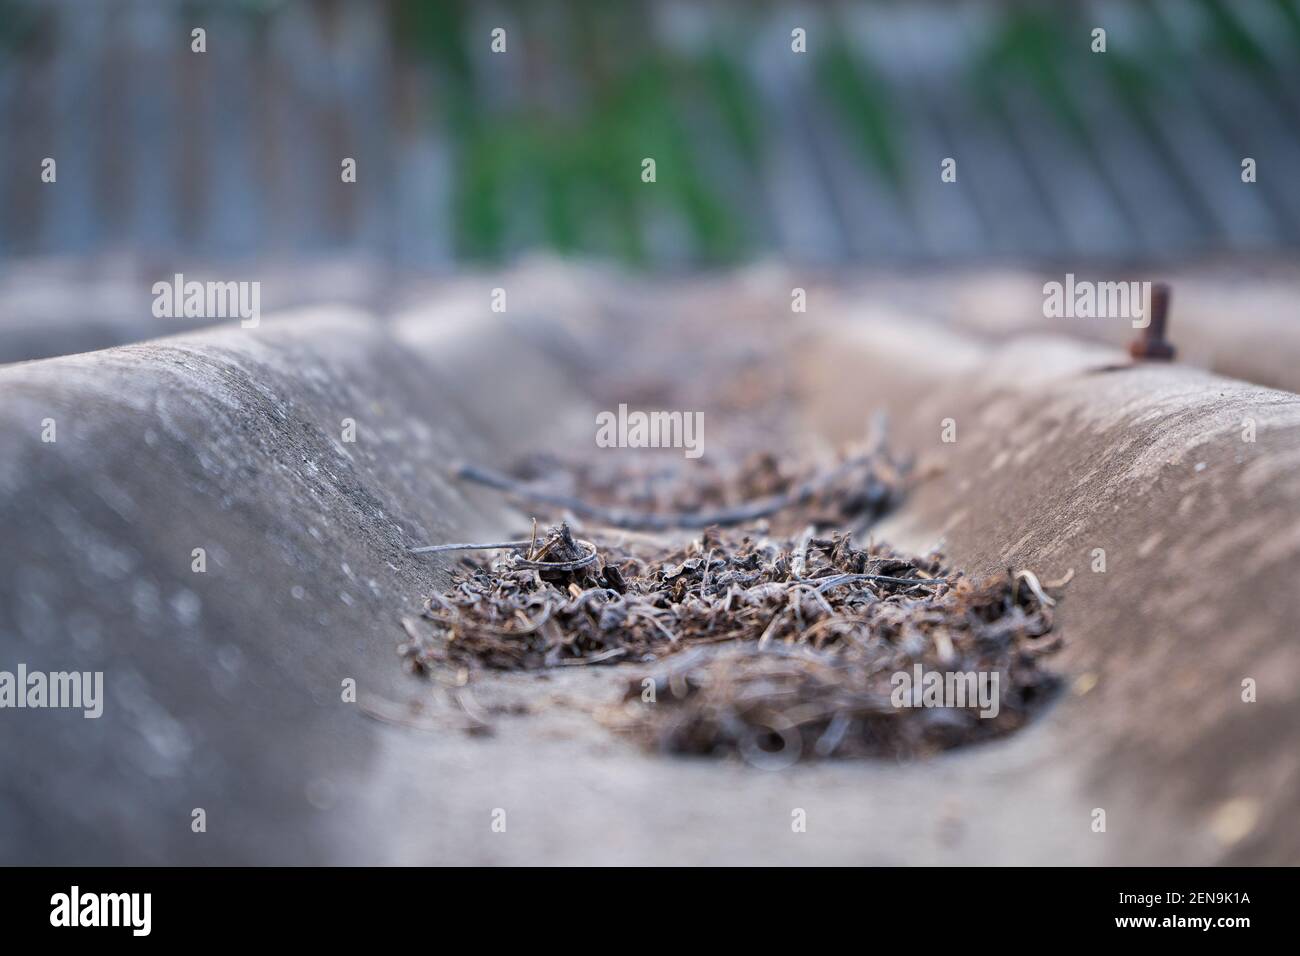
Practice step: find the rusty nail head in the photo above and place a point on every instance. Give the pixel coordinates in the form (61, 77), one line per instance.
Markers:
(1151, 345)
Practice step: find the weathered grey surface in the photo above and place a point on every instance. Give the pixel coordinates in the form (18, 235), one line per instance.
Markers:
(61, 306)
(224, 687)
(1237, 321)
(1059, 453)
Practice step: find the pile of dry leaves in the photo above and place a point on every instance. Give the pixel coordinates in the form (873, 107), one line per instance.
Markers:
(777, 646)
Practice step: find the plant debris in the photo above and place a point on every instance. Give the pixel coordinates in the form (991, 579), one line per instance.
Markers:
(662, 496)
(735, 591)
(775, 646)
(796, 700)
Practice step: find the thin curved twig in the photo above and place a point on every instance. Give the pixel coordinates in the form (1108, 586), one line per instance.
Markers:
(656, 521)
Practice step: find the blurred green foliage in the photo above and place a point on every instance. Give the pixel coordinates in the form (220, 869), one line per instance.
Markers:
(865, 106)
(571, 163)
(564, 171)
(18, 27)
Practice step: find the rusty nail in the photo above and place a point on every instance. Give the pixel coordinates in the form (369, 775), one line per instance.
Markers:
(1151, 345)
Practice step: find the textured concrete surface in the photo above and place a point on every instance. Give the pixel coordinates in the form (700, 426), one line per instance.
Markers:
(223, 688)
(1059, 453)
(1239, 321)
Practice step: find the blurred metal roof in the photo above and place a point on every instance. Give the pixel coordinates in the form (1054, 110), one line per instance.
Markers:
(829, 157)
